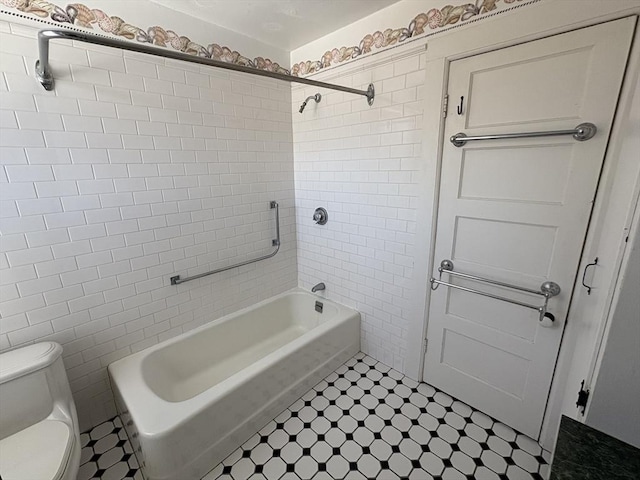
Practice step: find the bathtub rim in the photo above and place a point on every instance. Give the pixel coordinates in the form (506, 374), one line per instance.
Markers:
(156, 417)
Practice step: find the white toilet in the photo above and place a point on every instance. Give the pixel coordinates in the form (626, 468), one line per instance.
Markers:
(39, 438)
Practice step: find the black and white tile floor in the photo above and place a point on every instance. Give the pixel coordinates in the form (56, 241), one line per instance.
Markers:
(107, 454)
(363, 421)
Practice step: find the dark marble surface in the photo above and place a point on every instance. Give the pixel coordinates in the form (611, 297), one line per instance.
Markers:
(584, 453)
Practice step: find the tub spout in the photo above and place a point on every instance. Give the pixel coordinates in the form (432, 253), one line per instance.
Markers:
(320, 286)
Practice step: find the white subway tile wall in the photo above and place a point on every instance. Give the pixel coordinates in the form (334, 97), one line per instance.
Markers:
(132, 170)
(361, 164)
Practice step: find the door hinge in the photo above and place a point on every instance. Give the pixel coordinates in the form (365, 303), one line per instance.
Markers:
(445, 106)
(583, 398)
(425, 344)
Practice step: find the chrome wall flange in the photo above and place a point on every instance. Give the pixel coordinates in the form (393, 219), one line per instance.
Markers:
(45, 79)
(371, 94)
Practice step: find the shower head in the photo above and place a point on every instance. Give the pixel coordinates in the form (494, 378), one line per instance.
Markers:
(317, 97)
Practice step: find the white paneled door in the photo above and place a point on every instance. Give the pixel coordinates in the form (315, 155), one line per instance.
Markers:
(517, 211)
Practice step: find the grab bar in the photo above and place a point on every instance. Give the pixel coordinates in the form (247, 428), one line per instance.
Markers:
(581, 133)
(547, 289)
(176, 280)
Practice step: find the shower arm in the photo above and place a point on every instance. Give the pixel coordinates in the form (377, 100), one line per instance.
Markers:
(45, 77)
(317, 97)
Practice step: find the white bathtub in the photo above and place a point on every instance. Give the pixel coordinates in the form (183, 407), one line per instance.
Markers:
(190, 401)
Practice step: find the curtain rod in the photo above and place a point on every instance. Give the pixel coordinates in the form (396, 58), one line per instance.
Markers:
(45, 77)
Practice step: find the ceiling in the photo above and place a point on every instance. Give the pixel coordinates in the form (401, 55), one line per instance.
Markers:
(286, 24)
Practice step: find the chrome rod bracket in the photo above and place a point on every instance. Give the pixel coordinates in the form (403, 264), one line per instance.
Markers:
(177, 280)
(581, 133)
(45, 78)
(445, 265)
(547, 290)
(371, 94)
(550, 289)
(458, 139)
(585, 131)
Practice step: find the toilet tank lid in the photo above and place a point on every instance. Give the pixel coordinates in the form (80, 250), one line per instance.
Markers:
(22, 361)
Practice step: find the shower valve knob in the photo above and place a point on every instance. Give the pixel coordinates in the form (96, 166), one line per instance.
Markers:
(320, 216)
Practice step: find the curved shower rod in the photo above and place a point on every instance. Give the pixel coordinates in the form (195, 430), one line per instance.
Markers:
(45, 77)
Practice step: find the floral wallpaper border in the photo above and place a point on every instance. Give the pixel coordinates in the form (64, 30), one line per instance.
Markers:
(436, 18)
(82, 16)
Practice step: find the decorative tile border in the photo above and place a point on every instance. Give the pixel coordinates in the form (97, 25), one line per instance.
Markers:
(82, 16)
(436, 18)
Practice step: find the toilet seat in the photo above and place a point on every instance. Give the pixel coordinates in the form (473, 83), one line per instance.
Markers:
(40, 451)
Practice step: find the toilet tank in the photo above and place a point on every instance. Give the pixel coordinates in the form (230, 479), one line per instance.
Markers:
(33, 386)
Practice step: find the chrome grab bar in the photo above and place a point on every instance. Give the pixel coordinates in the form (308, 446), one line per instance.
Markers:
(176, 280)
(581, 133)
(45, 76)
(547, 289)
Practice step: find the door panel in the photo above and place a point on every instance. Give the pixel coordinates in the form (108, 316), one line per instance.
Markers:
(566, 95)
(503, 317)
(461, 354)
(516, 211)
(516, 174)
(504, 244)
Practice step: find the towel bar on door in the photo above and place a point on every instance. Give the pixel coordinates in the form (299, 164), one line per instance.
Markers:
(547, 289)
(581, 133)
